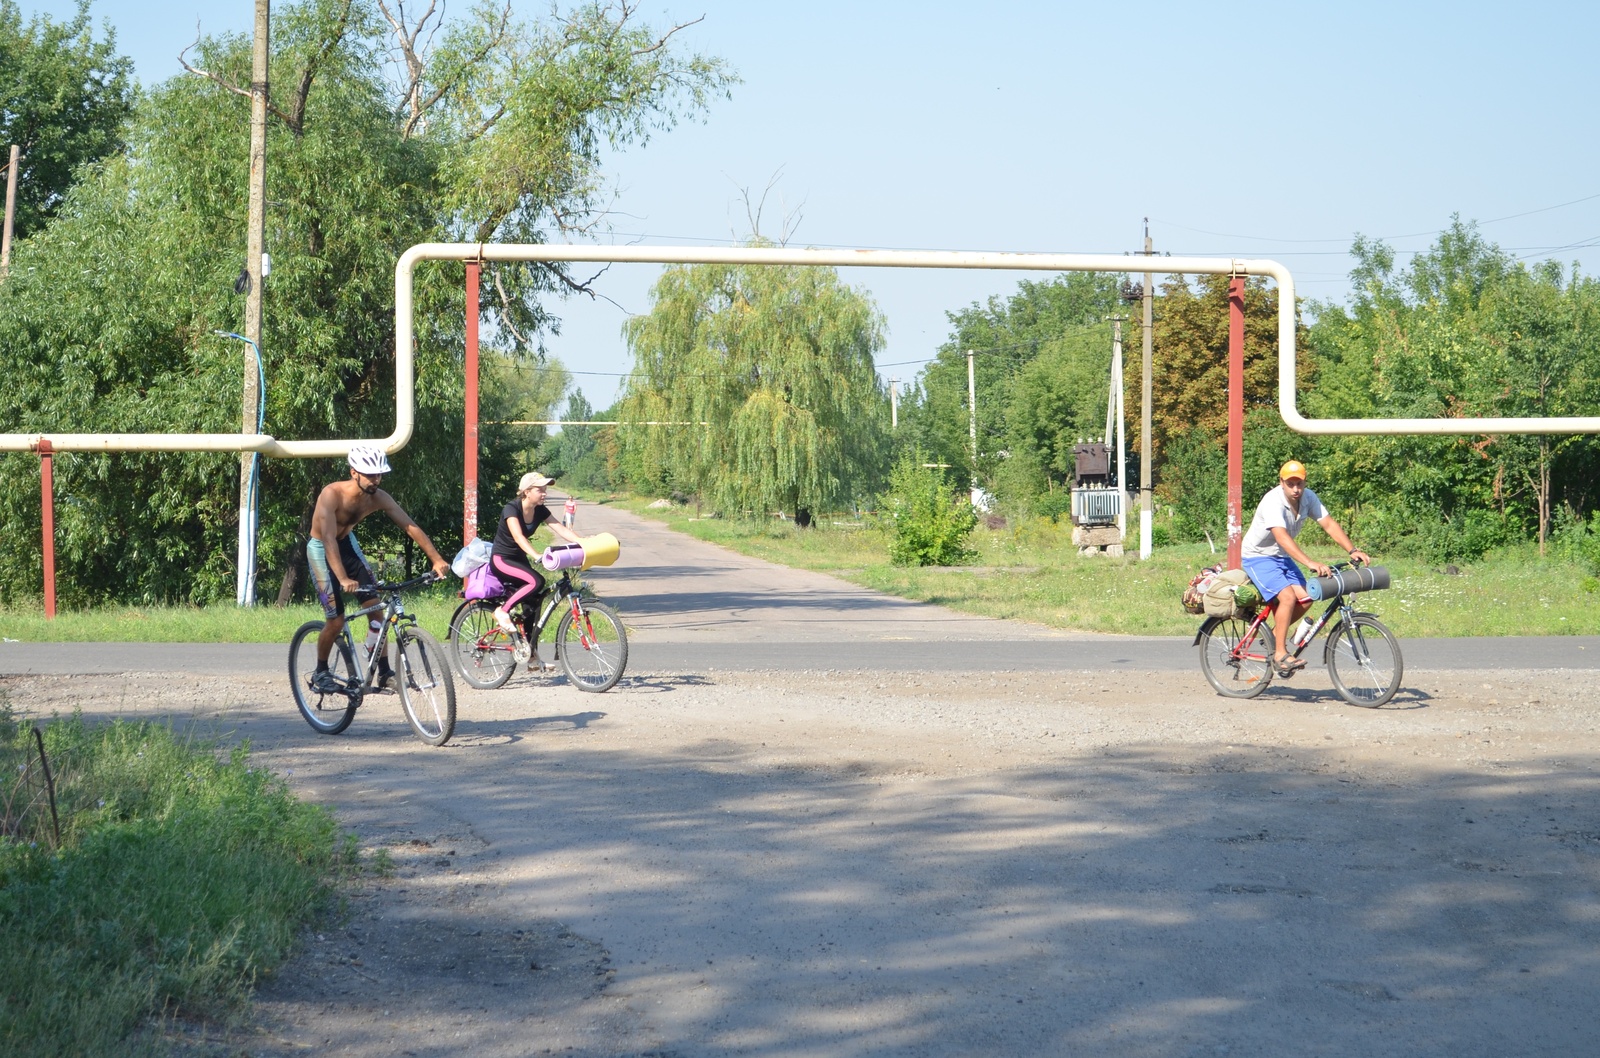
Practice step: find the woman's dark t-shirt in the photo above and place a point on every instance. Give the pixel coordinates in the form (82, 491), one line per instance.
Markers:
(504, 543)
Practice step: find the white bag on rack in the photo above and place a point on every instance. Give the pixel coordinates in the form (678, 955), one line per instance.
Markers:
(471, 557)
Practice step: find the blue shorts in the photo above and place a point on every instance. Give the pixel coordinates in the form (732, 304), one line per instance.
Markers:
(1273, 573)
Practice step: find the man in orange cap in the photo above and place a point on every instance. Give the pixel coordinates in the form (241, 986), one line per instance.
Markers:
(1269, 554)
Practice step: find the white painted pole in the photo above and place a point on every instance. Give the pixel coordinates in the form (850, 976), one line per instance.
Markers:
(972, 425)
(1120, 423)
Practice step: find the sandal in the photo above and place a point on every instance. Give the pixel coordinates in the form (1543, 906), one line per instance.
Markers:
(1287, 665)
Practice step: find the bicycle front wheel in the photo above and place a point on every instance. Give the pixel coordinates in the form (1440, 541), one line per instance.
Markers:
(327, 713)
(1364, 661)
(593, 648)
(1232, 669)
(427, 693)
(479, 648)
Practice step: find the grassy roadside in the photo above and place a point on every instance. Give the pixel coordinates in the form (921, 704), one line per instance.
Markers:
(182, 875)
(1033, 573)
(1028, 572)
(222, 623)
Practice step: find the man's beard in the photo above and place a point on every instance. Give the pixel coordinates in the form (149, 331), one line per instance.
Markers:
(370, 490)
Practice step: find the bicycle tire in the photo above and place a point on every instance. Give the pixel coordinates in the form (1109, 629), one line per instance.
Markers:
(479, 648)
(427, 693)
(1243, 678)
(595, 656)
(328, 714)
(1364, 660)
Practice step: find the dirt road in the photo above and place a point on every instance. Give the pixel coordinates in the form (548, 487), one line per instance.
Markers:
(829, 863)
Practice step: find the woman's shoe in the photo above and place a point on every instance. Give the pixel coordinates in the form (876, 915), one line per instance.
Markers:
(503, 619)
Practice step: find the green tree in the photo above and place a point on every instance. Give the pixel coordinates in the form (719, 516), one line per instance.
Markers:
(1464, 331)
(573, 454)
(1041, 369)
(107, 320)
(63, 99)
(777, 362)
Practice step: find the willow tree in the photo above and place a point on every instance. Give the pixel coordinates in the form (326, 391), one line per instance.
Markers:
(765, 375)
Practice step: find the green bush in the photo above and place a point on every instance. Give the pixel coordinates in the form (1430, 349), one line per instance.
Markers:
(1053, 505)
(928, 523)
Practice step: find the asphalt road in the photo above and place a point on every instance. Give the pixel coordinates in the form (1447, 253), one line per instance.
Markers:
(693, 607)
(1006, 841)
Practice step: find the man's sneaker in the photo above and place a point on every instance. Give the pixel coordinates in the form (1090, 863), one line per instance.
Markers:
(325, 682)
(385, 673)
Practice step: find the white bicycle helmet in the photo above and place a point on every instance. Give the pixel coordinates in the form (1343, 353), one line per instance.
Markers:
(368, 459)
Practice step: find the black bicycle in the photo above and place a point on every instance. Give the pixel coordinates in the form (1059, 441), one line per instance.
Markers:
(590, 642)
(420, 674)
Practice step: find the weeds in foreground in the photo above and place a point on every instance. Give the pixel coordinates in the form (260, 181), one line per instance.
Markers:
(183, 874)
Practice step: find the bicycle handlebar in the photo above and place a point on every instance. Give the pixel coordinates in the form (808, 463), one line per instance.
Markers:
(415, 582)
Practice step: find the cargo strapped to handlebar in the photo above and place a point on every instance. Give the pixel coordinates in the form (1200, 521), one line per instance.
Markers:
(1348, 580)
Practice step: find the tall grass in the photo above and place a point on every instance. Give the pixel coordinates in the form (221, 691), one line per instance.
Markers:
(1029, 570)
(183, 875)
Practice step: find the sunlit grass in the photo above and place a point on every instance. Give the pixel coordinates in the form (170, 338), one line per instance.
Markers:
(1031, 572)
(1028, 571)
(217, 623)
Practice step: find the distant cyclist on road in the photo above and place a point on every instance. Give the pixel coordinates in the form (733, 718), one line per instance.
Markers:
(337, 564)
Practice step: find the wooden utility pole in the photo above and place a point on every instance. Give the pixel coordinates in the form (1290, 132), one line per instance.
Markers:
(1146, 502)
(255, 246)
(11, 208)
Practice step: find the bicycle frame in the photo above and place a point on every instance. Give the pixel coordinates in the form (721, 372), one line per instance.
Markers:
(1257, 632)
(554, 594)
(394, 611)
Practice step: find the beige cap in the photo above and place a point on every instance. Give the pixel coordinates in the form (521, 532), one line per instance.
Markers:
(534, 479)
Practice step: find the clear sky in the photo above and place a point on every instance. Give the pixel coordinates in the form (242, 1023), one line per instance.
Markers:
(1260, 130)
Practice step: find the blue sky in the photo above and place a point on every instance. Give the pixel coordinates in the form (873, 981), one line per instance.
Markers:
(1274, 131)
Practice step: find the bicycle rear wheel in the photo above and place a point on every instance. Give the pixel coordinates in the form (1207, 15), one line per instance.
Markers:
(427, 693)
(1232, 671)
(479, 648)
(328, 714)
(594, 649)
(1364, 661)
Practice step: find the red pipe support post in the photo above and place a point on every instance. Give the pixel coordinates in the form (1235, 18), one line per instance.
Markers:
(469, 504)
(47, 500)
(1235, 420)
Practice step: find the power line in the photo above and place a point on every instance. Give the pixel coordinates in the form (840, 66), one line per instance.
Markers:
(1410, 235)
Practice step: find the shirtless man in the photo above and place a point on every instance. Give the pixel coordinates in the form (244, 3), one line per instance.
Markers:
(337, 564)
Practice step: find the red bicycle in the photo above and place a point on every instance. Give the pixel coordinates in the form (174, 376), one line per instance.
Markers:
(1362, 655)
(591, 644)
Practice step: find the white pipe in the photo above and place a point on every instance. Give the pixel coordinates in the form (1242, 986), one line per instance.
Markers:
(405, 373)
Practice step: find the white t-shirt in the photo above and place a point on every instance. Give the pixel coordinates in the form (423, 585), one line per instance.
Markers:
(1273, 510)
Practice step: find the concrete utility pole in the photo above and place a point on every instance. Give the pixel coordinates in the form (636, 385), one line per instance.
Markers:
(1146, 496)
(1116, 418)
(894, 405)
(972, 424)
(255, 245)
(11, 209)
